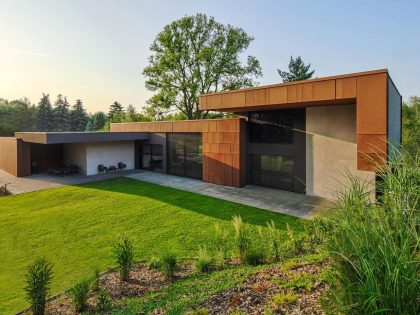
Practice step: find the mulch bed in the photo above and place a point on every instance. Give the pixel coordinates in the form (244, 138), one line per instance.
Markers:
(255, 295)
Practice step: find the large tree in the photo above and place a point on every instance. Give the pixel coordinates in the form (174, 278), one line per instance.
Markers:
(116, 112)
(61, 114)
(44, 117)
(298, 70)
(195, 55)
(411, 126)
(78, 117)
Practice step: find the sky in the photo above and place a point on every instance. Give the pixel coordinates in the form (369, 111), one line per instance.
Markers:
(95, 50)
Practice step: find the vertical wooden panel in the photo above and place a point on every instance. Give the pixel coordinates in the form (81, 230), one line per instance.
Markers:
(345, 88)
(278, 95)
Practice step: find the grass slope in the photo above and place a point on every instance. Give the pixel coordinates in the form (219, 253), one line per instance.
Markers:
(74, 227)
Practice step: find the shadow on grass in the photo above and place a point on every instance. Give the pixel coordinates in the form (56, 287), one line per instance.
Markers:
(205, 205)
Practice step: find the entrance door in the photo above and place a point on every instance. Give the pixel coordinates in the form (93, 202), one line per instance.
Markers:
(185, 156)
(151, 157)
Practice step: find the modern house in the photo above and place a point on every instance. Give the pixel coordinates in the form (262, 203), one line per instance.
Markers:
(304, 136)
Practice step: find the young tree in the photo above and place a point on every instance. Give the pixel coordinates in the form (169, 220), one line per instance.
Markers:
(116, 112)
(78, 117)
(44, 115)
(297, 70)
(61, 114)
(195, 55)
(98, 120)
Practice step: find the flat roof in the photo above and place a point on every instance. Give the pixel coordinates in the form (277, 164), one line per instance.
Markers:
(79, 137)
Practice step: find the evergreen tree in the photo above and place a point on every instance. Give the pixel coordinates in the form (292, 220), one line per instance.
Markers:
(297, 70)
(44, 116)
(89, 126)
(78, 117)
(131, 114)
(98, 120)
(116, 112)
(61, 114)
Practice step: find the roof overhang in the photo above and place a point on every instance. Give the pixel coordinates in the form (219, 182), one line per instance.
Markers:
(79, 137)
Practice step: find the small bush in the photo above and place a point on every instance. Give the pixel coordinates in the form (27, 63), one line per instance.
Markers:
(283, 298)
(242, 236)
(124, 256)
(38, 281)
(274, 240)
(254, 256)
(204, 261)
(104, 301)
(80, 294)
(94, 280)
(168, 264)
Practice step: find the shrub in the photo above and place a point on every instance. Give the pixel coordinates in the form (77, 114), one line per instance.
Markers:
(38, 281)
(124, 256)
(168, 264)
(220, 243)
(104, 301)
(204, 261)
(274, 240)
(283, 298)
(254, 256)
(80, 294)
(94, 280)
(242, 236)
(375, 246)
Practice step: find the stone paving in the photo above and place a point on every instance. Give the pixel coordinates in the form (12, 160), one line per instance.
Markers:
(19, 185)
(298, 205)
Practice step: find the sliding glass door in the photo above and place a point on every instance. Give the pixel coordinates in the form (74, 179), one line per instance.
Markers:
(185, 155)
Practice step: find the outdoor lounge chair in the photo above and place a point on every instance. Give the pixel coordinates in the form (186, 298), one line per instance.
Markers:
(102, 169)
(112, 169)
(121, 166)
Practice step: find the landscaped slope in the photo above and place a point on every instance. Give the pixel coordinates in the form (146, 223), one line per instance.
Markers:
(74, 227)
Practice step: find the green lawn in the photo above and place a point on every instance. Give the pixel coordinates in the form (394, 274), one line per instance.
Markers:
(74, 228)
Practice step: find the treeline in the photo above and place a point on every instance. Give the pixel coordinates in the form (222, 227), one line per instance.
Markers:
(21, 115)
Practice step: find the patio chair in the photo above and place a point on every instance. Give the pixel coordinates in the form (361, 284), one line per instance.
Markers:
(112, 169)
(102, 169)
(121, 166)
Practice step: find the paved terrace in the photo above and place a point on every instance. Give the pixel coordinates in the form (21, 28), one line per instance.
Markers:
(298, 205)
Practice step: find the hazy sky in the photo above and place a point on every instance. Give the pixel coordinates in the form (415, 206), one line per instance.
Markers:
(96, 50)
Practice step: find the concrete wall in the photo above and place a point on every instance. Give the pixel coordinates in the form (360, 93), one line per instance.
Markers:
(331, 150)
(75, 153)
(109, 153)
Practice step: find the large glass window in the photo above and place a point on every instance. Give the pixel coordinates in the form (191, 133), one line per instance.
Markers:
(151, 157)
(185, 155)
(275, 171)
(271, 127)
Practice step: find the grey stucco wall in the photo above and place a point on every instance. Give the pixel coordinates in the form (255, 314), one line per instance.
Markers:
(394, 117)
(75, 153)
(331, 150)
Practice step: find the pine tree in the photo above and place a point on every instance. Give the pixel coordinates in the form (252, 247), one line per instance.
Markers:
(297, 70)
(61, 114)
(78, 117)
(44, 115)
(116, 112)
(131, 114)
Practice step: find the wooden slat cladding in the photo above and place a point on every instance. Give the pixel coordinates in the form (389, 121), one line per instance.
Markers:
(15, 156)
(223, 145)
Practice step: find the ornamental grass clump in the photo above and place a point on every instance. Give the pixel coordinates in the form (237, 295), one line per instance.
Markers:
(204, 260)
(168, 264)
(80, 294)
(124, 256)
(242, 236)
(38, 284)
(375, 245)
(220, 244)
(274, 241)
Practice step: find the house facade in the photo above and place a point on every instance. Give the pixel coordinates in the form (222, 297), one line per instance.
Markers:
(306, 137)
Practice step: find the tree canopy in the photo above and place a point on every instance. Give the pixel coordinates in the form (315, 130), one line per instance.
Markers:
(411, 126)
(298, 70)
(195, 55)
